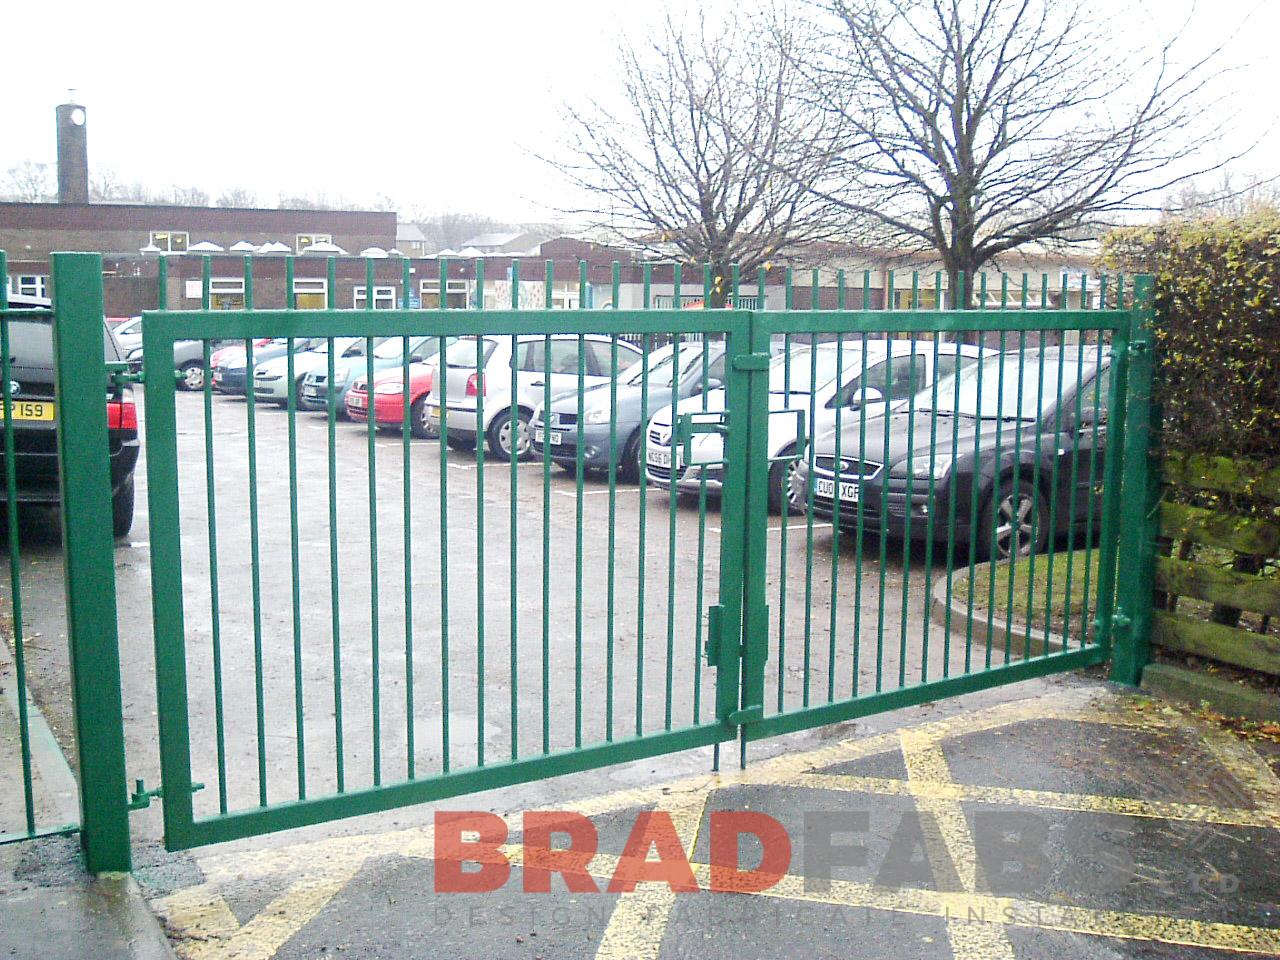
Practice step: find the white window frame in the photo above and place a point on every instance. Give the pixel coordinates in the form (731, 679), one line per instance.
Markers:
(384, 298)
(226, 287)
(310, 238)
(453, 288)
(564, 295)
(29, 284)
(168, 235)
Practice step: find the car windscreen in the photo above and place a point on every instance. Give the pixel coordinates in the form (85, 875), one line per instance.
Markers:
(462, 353)
(31, 343)
(1008, 385)
(661, 373)
(802, 378)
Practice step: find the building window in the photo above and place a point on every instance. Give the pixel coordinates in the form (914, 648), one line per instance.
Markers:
(564, 295)
(171, 241)
(305, 240)
(384, 298)
(29, 284)
(666, 301)
(309, 294)
(456, 290)
(226, 293)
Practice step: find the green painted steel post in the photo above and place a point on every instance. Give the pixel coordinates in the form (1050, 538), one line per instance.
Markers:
(1141, 491)
(89, 559)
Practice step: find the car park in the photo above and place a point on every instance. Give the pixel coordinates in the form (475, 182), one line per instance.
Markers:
(613, 418)
(388, 352)
(1030, 460)
(475, 384)
(270, 377)
(34, 425)
(388, 398)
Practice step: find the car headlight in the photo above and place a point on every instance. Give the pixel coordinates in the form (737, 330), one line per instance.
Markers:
(930, 465)
(358, 384)
(598, 415)
(389, 386)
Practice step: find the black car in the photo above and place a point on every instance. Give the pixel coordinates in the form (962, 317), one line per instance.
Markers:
(35, 433)
(985, 446)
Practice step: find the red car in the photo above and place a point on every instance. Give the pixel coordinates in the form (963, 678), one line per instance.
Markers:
(388, 399)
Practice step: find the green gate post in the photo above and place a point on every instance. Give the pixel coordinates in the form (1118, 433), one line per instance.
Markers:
(1140, 491)
(88, 550)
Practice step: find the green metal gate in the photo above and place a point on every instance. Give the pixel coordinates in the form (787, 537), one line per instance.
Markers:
(531, 636)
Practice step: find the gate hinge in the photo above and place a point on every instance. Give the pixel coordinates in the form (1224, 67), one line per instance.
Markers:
(120, 373)
(142, 797)
(751, 361)
(747, 715)
(714, 644)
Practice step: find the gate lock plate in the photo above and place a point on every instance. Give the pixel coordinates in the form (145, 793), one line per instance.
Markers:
(689, 425)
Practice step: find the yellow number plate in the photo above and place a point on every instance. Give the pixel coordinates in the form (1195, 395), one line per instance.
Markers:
(30, 410)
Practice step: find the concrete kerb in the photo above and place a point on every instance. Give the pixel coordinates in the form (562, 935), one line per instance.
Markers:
(993, 632)
(132, 928)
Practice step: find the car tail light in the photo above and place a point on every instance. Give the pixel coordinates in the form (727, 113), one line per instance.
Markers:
(475, 386)
(122, 415)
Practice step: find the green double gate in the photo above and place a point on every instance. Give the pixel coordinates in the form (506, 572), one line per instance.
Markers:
(348, 619)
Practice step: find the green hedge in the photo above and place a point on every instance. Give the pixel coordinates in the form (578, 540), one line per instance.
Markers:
(1218, 333)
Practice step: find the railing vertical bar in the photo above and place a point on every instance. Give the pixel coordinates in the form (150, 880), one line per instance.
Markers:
(15, 559)
(1093, 476)
(1073, 478)
(406, 431)
(677, 271)
(611, 571)
(933, 484)
(860, 521)
(215, 604)
(295, 567)
(514, 665)
(1112, 476)
(884, 495)
(442, 391)
(811, 415)
(331, 410)
(960, 301)
(548, 286)
(259, 694)
(579, 479)
(375, 667)
(482, 387)
(1014, 481)
(835, 511)
(646, 348)
(1035, 484)
(906, 527)
(789, 304)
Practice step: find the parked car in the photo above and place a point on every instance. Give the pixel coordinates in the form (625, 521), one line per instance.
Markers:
(388, 398)
(636, 397)
(505, 425)
(270, 377)
(128, 334)
(35, 430)
(188, 355)
(894, 371)
(346, 370)
(887, 481)
(229, 373)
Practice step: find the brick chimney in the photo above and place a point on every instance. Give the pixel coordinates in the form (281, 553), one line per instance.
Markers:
(73, 154)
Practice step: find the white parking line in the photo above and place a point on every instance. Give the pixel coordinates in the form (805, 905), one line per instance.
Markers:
(790, 526)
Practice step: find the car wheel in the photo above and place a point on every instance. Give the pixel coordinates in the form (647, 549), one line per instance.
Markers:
(630, 467)
(1018, 520)
(780, 486)
(510, 436)
(419, 423)
(192, 373)
(122, 509)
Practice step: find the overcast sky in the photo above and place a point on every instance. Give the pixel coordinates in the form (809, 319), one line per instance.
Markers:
(437, 105)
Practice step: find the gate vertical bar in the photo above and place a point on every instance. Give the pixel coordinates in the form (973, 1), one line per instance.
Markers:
(89, 559)
(1141, 492)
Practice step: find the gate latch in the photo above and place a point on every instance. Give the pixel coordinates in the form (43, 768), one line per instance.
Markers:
(690, 425)
(142, 797)
(752, 362)
(120, 373)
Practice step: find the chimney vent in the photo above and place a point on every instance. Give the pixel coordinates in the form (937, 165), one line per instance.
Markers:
(73, 154)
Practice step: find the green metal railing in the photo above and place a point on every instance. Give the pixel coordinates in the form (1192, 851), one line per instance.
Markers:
(348, 620)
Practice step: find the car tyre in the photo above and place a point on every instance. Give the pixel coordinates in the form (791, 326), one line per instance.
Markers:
(780, 474)
(1019, 520)
(631, 466)
(192, 375)
(122, 510)
(460, 443)
(500, 436)
(420, 424)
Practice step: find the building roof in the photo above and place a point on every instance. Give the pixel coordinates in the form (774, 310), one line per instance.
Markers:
(409, 233)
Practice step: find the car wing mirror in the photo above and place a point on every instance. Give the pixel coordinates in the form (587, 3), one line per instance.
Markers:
(865, 397)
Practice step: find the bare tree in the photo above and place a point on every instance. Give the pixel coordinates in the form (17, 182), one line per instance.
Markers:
(237, 197)
(709, 155)
(1229, 197)
(188, 196)
(979, 126)
(30, 182)
(451, 231)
